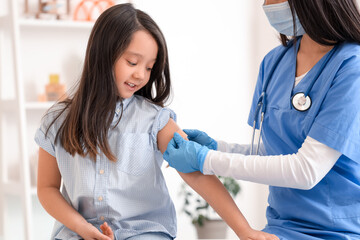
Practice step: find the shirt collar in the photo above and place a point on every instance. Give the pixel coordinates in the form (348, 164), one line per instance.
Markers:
(125, 103)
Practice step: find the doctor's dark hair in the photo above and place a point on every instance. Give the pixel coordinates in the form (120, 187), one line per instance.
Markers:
(327, 21)
(90, 111)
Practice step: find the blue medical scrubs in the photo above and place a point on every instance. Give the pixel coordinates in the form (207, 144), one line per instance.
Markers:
(330, 210)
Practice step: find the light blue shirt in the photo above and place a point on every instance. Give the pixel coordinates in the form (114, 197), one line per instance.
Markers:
(330, 210)
(129, 194)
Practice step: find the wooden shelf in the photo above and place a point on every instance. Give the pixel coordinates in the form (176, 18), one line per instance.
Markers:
(9, 105)
(38, 105)
(68, 24)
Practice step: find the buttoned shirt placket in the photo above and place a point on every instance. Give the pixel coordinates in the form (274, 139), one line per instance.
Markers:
(101, 178)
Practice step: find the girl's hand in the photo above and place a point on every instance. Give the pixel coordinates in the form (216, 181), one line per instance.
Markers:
(258, 235)
(106, 229)
(89, 232)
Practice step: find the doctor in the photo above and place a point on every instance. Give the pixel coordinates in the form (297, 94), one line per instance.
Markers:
(307, 107)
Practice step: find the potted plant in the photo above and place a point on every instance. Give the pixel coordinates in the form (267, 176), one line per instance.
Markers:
(207, 223)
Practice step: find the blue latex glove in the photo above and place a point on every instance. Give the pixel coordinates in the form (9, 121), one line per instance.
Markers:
(185, 156)
(201, 138)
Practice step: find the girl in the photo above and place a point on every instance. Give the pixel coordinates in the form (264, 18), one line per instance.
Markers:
(306, 105)
(106, 141)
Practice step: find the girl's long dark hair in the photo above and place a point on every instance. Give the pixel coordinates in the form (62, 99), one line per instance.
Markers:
(327, 21)
(90, 111)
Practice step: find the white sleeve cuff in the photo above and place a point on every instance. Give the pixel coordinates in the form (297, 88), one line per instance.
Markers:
(207, 169)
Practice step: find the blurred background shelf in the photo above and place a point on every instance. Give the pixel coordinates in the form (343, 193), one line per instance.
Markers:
(14, 188)
(10, 105)
(38, 105)
(55, 24)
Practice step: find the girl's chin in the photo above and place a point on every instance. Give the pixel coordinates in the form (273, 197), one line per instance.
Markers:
(126, 94)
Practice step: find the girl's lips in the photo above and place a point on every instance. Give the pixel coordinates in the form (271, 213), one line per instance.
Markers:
(130, 86)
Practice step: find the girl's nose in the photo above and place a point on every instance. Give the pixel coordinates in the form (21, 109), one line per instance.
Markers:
(139, 74)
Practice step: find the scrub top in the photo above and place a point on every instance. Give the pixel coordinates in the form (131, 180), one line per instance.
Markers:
(331, 209)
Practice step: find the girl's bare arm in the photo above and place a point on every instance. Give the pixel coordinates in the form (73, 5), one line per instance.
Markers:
(208, 186)
(48, 191)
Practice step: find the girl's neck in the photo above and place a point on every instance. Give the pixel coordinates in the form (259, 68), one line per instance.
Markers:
(309, 46)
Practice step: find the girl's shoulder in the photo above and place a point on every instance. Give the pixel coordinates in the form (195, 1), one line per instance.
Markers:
(149, 110)
(148, 116)
(145, 104)
(55, 115)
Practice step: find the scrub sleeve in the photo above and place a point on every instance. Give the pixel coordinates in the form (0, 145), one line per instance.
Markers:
(338, 123)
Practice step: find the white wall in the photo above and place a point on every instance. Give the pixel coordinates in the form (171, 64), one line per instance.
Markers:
(215, 49)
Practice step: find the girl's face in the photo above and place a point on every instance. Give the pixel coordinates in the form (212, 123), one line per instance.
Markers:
(133, 68)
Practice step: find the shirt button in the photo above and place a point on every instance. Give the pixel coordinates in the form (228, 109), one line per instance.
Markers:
(101, 171)
(100, 198)
(102, 218)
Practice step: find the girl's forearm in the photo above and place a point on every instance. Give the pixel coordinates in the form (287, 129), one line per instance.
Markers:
(214, 192)
(56, 205)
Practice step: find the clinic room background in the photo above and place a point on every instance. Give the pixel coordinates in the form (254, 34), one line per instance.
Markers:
(215, 49)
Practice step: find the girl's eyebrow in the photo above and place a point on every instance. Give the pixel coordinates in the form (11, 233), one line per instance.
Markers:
(133, 53)
(137, 54)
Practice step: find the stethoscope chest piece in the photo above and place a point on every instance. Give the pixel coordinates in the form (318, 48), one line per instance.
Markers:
(301, 102)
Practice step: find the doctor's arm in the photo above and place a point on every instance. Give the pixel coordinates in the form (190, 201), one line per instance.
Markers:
(301, 170)
(48, 191)
(213, 191)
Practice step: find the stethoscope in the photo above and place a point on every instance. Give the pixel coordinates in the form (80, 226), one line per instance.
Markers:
(301, 101)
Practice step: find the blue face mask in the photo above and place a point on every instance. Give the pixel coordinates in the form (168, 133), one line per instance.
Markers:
(279, 16)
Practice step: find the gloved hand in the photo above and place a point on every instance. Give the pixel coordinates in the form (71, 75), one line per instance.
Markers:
(201, 138)
(185, 156)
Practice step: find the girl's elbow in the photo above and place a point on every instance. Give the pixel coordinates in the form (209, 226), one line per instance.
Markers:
(40, 192)
(44, 191)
